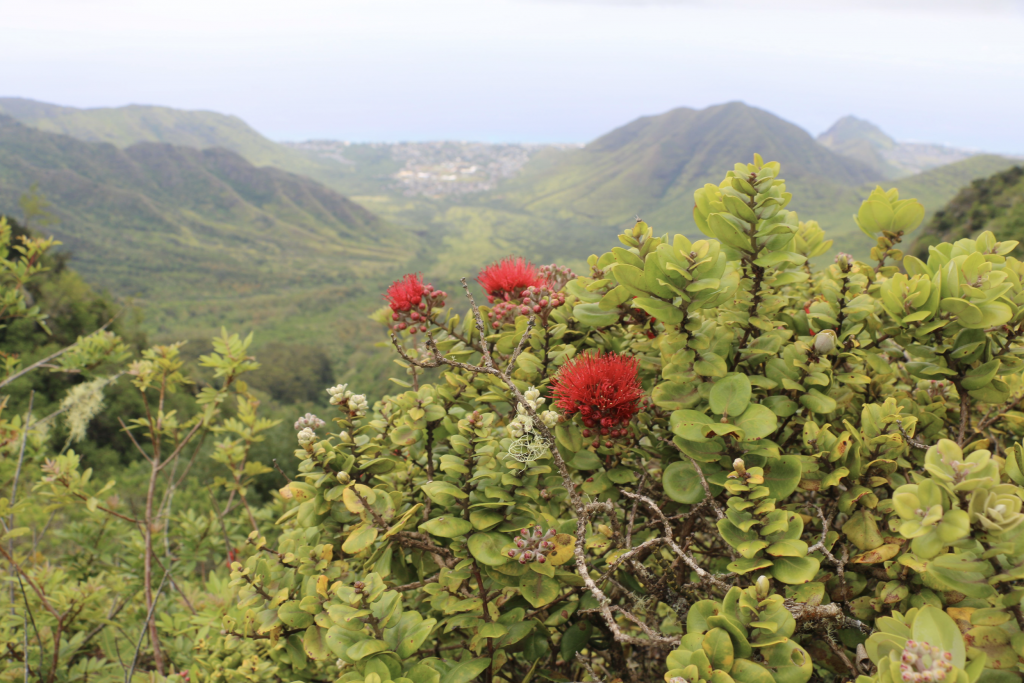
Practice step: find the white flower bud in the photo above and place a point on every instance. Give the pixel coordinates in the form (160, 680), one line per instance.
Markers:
(549, 418)
(339, 394)
(825, 342)
(306, 437)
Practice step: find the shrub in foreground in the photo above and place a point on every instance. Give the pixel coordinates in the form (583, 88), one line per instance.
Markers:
(706, 461)
(703, 461)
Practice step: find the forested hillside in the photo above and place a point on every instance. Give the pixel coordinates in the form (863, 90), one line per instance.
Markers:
(995, 203)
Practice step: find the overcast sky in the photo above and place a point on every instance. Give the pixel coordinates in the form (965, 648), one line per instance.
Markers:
(529, 70)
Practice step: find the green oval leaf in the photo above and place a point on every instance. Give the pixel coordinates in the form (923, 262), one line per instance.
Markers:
(486, 548)
(757, 422)
(360, 539)
(795, 570)
(681, 482)
(446, 527)
(365, 648)
(731, 395)
(538, 589)
(467, 671)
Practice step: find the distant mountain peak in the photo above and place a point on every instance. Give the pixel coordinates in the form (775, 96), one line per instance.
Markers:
(864, 141)
(652, 165)
(851, 128)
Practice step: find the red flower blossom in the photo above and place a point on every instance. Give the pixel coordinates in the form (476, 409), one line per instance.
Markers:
(509, 277)
(403, 294)
(603, 389)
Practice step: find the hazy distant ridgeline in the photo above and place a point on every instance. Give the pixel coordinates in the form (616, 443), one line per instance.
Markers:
(124, 126)
(865, 142)
(485, 196)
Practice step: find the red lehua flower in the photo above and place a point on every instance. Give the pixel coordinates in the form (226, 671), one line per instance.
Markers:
(403, 294)
(604, 389)
(510, 276)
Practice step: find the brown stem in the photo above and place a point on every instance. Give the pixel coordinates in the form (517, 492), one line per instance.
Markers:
(154, 636)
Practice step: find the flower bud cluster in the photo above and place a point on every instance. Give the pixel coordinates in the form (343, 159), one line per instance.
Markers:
(309, 420)
(844, 261)
(306, 437)
(533, 546)
(522, 423)
(343, 398)
(923, 663)
(556, 276)
(539, 300)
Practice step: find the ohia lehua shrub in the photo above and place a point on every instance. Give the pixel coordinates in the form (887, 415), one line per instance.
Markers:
(708, 460)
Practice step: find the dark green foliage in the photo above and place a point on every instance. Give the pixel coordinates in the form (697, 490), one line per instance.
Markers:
(995, 203)
(293, 373)
(72, 309)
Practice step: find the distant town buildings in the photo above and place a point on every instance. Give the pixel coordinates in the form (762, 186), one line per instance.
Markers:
(438, 169)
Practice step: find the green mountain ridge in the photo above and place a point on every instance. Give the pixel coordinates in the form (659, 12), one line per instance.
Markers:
(132, 124)
(216, 219)
(653, 165)
(563, 199)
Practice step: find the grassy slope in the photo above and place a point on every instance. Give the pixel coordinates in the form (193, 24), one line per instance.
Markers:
(652, 166)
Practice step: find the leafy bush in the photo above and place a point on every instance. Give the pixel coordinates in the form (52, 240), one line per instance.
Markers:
(702, 461)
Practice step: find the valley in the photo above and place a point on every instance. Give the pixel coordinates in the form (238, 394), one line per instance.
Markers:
(204, 222)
